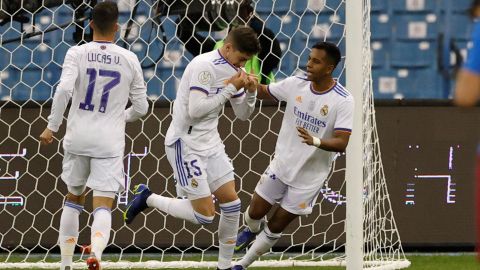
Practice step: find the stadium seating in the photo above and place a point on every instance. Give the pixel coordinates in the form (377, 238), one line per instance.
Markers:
(416, 27)
(380, 54)
(457, 6)
(408, 6)
(462, 25)
(397, 27)
(381, 26)
(420, 54)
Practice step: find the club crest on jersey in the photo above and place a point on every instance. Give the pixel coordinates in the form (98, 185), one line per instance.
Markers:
(204, 77)
(324, 110)
(103, 47)
(194, 183)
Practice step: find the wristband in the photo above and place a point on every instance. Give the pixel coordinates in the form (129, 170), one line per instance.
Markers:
(316, 142)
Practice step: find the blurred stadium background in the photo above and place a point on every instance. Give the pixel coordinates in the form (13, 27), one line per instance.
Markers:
(434, 33)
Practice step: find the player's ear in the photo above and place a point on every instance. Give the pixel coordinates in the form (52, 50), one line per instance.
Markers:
(330, 69)
(228, 47)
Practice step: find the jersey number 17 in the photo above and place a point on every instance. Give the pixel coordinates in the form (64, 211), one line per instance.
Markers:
(92, 75)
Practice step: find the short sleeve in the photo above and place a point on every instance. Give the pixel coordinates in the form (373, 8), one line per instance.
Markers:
(202, 77)
(473, 60)
(344, 120)
(281, 90)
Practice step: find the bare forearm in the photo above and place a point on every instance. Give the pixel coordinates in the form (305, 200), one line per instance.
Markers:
(333, 145)
(262, 92)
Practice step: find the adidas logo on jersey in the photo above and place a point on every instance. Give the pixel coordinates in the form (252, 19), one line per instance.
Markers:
(298, 99)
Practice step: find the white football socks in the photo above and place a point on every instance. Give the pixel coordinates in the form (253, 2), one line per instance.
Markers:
(101, 227)
(263, 243)
(68, 232)
(227, 232)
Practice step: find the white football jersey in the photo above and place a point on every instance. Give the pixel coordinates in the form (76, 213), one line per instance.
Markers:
(206, 73)
(100, 77)
(298, 164)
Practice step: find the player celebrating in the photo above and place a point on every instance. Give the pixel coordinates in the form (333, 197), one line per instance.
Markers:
(317, 123)
(101, 77)
(193, 145)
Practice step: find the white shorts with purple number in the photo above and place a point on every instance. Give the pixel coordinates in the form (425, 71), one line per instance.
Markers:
(294, 200)
(199, 173)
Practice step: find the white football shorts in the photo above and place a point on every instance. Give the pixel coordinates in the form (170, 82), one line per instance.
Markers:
(102, 174)
(199, 173)
(294, 200)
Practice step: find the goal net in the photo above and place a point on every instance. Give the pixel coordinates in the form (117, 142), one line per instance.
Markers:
(34, 37)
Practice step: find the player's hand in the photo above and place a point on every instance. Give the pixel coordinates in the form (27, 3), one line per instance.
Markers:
(303, 133)
(46, 137)
(252, 83)
(238, 80)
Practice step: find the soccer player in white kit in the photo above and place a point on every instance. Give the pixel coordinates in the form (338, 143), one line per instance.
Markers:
(100, 77)
(317, 123)
(194, 147)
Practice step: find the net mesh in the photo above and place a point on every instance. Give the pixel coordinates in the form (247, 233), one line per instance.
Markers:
(32, 192)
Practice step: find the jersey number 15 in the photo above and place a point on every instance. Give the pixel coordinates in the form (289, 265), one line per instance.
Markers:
(92, 75)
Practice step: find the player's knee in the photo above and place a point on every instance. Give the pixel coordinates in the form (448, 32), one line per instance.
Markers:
(255, 212)
(76, 191)
(204, 206)
(274, 229)
(203, 219)
(76, 195)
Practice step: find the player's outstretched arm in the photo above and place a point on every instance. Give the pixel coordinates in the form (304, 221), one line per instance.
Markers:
(262, 92)
(62, 95)
(338, 143)
(138, 96)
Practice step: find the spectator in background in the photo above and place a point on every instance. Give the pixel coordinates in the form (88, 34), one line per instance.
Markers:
(467, 91)
(262, 64)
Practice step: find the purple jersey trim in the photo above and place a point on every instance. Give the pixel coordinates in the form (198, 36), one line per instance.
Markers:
(343, 129)
(199, 89)
(239, 94)
(270, 92)
(236, 69)
(322, 93)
